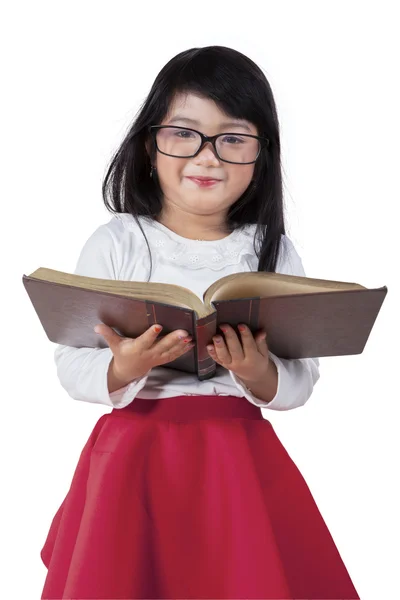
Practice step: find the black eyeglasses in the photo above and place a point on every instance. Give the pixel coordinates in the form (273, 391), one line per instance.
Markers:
(182, 142)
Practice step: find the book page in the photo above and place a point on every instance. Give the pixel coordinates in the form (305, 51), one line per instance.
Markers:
(172, 294)
(259, 284)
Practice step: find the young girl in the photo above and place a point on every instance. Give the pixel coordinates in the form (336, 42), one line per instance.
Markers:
(184, 490)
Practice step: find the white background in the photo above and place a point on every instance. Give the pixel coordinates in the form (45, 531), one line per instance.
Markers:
(74, 75)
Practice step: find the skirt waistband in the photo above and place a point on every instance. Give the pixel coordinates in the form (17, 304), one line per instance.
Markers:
(188, 408)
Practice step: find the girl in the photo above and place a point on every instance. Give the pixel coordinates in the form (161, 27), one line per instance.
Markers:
(184, 490)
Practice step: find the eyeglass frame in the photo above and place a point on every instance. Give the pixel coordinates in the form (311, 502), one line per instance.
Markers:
(208, 138)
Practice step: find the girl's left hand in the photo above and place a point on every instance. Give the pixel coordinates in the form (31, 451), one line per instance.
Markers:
(248, 358)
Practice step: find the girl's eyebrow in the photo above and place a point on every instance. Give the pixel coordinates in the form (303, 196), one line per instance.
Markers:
(197, 123)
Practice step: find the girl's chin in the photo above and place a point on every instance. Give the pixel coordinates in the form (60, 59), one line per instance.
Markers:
(202, 204)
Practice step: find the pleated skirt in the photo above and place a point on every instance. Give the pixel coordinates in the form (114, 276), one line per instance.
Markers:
(190, 497)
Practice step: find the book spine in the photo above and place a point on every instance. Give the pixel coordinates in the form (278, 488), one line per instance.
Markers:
(172, 318)
(205, 328)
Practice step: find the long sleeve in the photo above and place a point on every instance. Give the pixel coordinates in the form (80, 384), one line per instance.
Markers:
(83, 371)
(296, 377)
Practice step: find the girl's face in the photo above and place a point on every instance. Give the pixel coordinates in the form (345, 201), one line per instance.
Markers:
(185, 194)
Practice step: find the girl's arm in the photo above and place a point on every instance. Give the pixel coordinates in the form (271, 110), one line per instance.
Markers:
(83, 372)
(296, 377)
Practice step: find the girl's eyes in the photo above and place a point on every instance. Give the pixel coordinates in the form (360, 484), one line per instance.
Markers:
(228, 139)
(185, 134)
(232, 139)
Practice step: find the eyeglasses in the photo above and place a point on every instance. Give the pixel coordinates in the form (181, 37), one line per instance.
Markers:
(181, 142)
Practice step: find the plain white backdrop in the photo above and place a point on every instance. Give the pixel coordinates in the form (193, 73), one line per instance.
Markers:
(74, 75)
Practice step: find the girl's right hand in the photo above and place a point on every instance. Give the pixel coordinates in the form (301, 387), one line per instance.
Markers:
(133, 357)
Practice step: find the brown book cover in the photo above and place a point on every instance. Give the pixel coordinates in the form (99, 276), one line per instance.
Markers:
(303, 317)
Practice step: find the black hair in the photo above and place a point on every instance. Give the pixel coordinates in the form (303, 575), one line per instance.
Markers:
(241, 90)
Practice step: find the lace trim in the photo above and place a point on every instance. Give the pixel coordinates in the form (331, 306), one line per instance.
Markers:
(214, 254)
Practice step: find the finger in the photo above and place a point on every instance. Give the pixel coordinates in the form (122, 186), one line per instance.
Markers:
(232, 343)
(248, 341)
(112, 338)
(150, 337)
(176, 339)
(171, 346)
(171, 349)
(261, 342)
(176, 351)
(221, 352)
(147, 339)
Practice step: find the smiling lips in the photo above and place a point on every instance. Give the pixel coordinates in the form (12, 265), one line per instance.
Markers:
(204, 181)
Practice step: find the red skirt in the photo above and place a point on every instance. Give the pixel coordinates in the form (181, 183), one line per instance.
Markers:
(190, 497)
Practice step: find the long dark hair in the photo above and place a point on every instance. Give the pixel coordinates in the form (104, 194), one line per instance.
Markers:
(241, 90)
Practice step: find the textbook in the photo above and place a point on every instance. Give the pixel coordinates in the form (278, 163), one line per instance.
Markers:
(303, 317)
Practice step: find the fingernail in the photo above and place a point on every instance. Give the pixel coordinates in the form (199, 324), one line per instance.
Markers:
(157, 328)
(241, 327)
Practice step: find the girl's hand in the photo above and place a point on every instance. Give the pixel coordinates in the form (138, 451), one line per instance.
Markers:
(133, 357)
(247, 358)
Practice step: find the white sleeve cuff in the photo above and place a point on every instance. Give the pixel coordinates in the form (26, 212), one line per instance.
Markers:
(296, 380)
(124, 396)
(83, 374)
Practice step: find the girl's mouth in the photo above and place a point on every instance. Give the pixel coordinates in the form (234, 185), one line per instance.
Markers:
(204, 181)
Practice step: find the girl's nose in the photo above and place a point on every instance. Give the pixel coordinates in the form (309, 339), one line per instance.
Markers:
(207, 156)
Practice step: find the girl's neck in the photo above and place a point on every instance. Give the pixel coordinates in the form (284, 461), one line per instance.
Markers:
(193, 229)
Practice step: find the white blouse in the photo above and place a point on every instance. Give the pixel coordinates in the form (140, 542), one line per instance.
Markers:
(118, 250)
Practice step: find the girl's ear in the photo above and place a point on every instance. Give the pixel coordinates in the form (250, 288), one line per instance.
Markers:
(147, 145)
(148, 150)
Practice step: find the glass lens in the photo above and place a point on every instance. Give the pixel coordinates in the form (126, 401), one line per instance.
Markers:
(178, 142)
(182, 143)
(238, 148)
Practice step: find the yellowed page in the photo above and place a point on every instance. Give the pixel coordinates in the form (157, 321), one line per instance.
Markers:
(158, 292)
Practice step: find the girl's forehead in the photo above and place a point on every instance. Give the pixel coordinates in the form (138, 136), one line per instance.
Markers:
(189, 103)
(194, 110)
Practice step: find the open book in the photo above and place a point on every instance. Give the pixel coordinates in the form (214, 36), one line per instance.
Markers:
(303, 317)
